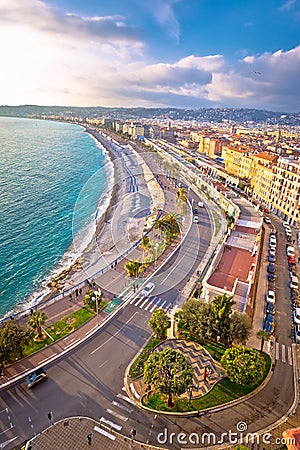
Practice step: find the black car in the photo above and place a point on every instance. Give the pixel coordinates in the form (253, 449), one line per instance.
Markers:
(195, 211)
(36, 377)
(271, 277)
(271, 267)
(272, 258)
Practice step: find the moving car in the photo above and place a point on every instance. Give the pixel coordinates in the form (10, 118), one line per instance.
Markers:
(148, 289)
(35, 377)
(196, 219)
(195, 211)
(201, 204)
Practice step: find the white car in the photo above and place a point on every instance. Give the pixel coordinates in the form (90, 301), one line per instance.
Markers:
(196, 219)
(294, 283)
(290, 251)
(297, 316)
(201, 204)
(285, 225)
(148, 289)
(270, 297)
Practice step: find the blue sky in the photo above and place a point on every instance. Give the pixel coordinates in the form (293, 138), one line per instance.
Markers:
(180, 53)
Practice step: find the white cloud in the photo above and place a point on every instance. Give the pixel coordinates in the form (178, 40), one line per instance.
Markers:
(72, 60)
(163, 12)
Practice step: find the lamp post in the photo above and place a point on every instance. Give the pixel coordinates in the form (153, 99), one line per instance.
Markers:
(190, 391)
(97, 296)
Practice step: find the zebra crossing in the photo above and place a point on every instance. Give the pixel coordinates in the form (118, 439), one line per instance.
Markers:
(151, 303)
(115, 416)
(283, 353)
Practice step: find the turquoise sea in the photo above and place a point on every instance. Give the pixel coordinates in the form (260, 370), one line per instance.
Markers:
(45, 167)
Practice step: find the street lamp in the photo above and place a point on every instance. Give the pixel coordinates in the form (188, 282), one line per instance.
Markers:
(96, 298)
(190, 391)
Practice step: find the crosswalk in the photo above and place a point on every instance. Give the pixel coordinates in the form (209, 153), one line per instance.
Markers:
(116, 416)
(283, 353)
(151, 303)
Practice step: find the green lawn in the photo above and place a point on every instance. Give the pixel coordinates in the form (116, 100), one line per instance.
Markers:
(223, 392)
(62, 328)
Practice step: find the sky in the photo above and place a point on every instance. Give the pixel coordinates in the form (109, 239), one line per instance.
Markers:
(151, 53)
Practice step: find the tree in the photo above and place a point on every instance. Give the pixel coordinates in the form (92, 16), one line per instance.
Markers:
(145, 245)
(36, 321)
(264, 336)
(159, 323)
(239, 328)
(243, 365)
(133, 268)
(89, 298)
(199, 319)
(221, 309)
(164, 226)
(169, 371)
(180, 195)
(13, 339)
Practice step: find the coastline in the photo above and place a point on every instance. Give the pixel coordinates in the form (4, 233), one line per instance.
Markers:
(69, 263)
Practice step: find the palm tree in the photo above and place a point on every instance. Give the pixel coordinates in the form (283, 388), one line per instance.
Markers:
(264, 336)
(145, 245)
(133, 268)
(180, 195)
(36, 321)
(175, 221)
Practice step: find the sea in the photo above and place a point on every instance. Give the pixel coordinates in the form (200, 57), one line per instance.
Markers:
(54, 179)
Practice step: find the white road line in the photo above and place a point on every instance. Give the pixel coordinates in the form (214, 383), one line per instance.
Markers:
(283, 353)
(139, 301)
(116, 333)
(132, 301)
(289, 349)
(169, 306)
(153, 308)
(72, 343)
(276, 350)
(165, 301)
(127, 399)
(119, 405)
(43, 360)
(105, 433)
(92, 329)
(111, 424)
(144, 303)
(104, 362)
(118, 416)
(150, 304)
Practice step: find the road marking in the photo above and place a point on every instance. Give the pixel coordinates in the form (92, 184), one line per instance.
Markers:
(165, 301)
(118, 416)
(7, 429)
(139, 301)
(283, 353)
(4, 444)
(276, 350)
(72, 343)
(114, 335)
(110, 423)
(119, 405)
(4, 410)
(150, 304)
(104, 362)
(127, 399)
(92, 329)
(144, 303)
(105, 433)
(289, 349)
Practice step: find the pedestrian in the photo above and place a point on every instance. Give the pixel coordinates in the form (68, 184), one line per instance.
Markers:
(205, 374)
(80, 291)
(89, 438)
(298, 258)
(76, 292)
(70, 296)
(31, 311)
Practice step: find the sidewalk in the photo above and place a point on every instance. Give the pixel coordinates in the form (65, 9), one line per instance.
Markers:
(72, 433)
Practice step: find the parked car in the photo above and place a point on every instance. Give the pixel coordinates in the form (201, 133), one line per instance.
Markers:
(297, 333)
(35, 377)
(271, 277)
(272, 257)
(290, 251)
(148, 289)
(294, 294)
(267, 220)
(289, 238)
(269, 324)
(272, 247)
(297, 316)
(285, 224)
(270, 309)
(294, 283)
(270, 296)
(271, 268)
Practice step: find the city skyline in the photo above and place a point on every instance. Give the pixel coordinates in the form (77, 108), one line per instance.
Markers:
(184, 54)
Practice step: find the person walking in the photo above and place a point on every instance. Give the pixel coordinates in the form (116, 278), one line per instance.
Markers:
(89, 438)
